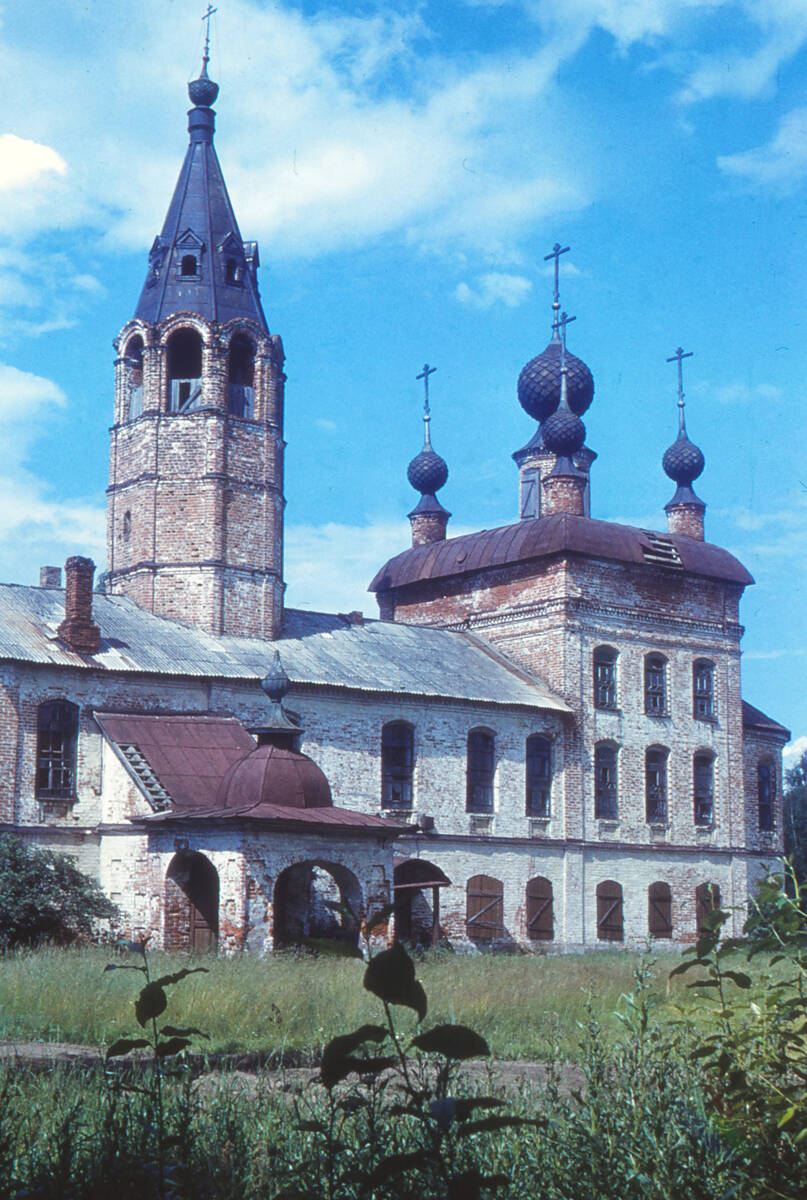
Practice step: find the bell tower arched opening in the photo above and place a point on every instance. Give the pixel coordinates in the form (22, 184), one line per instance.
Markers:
(184, 370)
(241, 377)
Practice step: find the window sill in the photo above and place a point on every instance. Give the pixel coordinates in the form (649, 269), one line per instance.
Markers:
(608, 824)
(658, 716)
(708, 720)
(480, 822)
(602, 708)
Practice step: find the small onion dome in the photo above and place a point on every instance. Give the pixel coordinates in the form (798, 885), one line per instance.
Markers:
(683, 461)
(275, 682)
(203, 91)
(274, 775)
(427, 472)
(563, 433)
(539, 384)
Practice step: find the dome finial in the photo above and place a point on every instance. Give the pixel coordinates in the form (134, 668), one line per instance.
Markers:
(555, 253)
(679, 357)
(427, 472)
(424, 375)
(563, 431)
(683, 462)
(203, 90)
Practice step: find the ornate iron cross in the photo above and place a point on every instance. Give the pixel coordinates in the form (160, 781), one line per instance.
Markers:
(679, 357)
(555, 253)
(424, 375)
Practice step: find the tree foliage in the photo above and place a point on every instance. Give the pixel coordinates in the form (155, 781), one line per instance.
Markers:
(45, 898)
(795, 817)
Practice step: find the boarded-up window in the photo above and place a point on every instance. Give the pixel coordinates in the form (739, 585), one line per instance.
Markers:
(484, 909)
(766, 790)
(539, 776)
(481, 757)
(659, 910)
(610, 921)
(540, 916)
(397, 761)
(707, 899)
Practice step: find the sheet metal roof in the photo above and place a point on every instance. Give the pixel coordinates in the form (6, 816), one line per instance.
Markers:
(754, 719)
(317, 649)
(555, 534)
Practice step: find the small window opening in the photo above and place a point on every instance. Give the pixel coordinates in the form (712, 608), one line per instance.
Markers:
(766, 791)
(397, 764)
(127, 526)
(704, 788)
(57, 733)
(703, 690)
(184, 371)
(188, 266)
(539, 776)
(134, 375)
(605, 677)
(655, 686)
(656, 784)
(241, 376)
(606, 782)
(231, 271)
(480, 765)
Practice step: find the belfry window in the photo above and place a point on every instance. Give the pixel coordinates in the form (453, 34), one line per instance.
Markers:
(133, 358)
(606, 781)
(241, 377)
(655, 686)
(655, 774)
(703, 775)
(57, 733)
(539, 776)
(189, 266)
(480, 767)
(605, 677)
(397, 763)
(703, 690)
(766, 791)
(231, 271)
(184, 371)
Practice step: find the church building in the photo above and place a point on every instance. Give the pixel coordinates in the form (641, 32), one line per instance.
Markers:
(541, 742)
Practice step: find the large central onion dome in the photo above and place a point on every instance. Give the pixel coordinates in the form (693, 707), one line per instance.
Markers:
(539, 383)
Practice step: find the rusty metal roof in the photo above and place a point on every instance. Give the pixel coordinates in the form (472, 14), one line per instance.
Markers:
(304, 818)
(560, 533)
(754, 719)
(317, 650)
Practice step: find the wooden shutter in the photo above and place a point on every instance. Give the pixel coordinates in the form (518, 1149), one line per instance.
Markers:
(659, 910)
(610, 921)
(707, 899)
(484, 915)
(540, 916)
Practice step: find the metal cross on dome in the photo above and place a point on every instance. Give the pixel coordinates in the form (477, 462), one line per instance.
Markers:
(206, 17)
(424, 375)
(555, 253)
(679, 357)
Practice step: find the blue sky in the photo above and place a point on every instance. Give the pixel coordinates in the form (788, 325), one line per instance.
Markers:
(405, 166)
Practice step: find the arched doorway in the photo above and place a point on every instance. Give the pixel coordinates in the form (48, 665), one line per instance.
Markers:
(191, 903)
(310, 902)
(416, 888)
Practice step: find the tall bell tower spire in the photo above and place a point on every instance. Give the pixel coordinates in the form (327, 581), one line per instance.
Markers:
(195, 501)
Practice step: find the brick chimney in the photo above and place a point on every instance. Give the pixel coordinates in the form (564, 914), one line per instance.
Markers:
(78, 629)
(50, 577)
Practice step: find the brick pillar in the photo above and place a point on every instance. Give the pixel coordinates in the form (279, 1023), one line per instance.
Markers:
(78, 628)
(686, 519)
(564, 493)
(428, 527)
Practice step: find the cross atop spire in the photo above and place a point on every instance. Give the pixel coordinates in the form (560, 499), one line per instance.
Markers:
(206, 55)
(424, 375)
(562, 321)
(679, 357)
(555, 253)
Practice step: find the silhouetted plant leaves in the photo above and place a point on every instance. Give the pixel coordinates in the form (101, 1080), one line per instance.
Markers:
(492, 1124)
(124, 1045)
(338, 1060)
(395, 1164)
(171, 1046)
(150, 1003)
(391, 977)
(187, 1031)
(452, 1041)
(167, 980)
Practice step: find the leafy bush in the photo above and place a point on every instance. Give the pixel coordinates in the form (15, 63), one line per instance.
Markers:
(45, 898)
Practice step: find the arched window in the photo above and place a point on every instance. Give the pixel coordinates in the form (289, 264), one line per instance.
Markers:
(659, 910)
(57, 736)
(241, 376)
(188, 265)
(397, 764)
(480, 767)
(484, 908)
(539, 776)
(134, 375)
(655, 783)
(703, 787)
(605, 691)
(606, 781)
(610, 920)
(184, 370)
(703, 690)
(707, 899)
(540, 917)
(655, 685)
(766, 793)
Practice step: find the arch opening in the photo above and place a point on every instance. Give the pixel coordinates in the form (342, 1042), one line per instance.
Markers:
(416, 889)
(133, 357)
(308, 900)
(191, 903)
(184, 371)
(241, 377)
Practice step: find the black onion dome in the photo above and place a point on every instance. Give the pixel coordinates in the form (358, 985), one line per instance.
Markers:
(539, 384)
(683, 461)
(203, 91)
(275, 682)
(427, 471)
(563, 433)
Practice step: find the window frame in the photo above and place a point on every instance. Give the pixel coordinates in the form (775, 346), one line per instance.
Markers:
(56, 749)
(480, 776)
(608, 811)
(656, 702)
(401, 774)
(538, 749)
(703, 697)
(656, 806)
(604, 662)
(766, 804)
(703, 805)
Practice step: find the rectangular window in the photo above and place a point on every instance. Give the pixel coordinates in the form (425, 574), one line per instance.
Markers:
(539, 776)
(656, 785)
(766, 790)
(605, 677)
(606, 782)
(655, 686)
(704, 789)
(703, 698)
(57, 730)
(479, 781)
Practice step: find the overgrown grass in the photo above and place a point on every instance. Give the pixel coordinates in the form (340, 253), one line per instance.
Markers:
(526, 1007)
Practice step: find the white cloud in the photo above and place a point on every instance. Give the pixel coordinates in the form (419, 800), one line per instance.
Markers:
(737, 393)
(23, 162)
(23, 395)
(494, 288)
(781, 163)
(793, 751)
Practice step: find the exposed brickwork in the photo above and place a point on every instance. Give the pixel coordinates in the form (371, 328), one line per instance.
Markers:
(686, 519)
(428, 527)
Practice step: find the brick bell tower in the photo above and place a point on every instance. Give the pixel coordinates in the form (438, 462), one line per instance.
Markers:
(195, 498)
